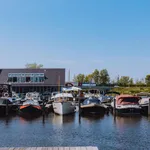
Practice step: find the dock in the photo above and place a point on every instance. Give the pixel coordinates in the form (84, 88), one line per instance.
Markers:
(50, 148)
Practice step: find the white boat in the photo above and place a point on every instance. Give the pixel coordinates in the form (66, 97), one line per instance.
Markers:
(63, 104)
(127, 105)
(144, 101)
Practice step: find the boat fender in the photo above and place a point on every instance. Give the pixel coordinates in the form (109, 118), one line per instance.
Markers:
(6, 94)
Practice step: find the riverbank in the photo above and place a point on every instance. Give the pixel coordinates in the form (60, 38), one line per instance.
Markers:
(131, 90)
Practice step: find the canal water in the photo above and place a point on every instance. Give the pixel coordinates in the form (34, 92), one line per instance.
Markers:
(105, 132)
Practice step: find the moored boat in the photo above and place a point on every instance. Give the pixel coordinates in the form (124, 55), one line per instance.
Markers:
(4, 102)
(93, 105)
(30, 107)
(144, 102)
(126, 105)
(63, 104)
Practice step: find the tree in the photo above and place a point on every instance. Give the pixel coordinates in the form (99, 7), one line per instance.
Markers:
(139, 82)
(88, 78)
(34, 66)
(124, 80)
(104, 77)
(79, 78)
(147, 79)
(131, 81)
(95, 75)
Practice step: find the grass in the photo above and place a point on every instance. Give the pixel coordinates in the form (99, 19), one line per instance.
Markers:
(131, 90)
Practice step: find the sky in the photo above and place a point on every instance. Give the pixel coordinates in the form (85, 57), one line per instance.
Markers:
(80, 35)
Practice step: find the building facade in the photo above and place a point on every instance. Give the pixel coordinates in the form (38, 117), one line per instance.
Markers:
(30, 80)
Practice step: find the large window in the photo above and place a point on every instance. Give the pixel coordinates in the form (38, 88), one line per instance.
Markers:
(26, 77)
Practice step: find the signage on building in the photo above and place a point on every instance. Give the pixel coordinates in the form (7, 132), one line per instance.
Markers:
(88, 84)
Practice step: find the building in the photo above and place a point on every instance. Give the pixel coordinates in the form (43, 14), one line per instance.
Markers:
(29, 80)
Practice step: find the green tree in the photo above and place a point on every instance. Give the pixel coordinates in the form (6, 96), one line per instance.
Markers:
(147, 79)
(95, 75)
(88, 78)
(104, 77)
(34, 66)
(124, 80)
(79, 78)
(139, 82)
(131, 81)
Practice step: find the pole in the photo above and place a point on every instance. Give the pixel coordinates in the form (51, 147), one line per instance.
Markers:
(79, 101)
(6, 107)
(43, 107)
(114, 107)
(149, 108)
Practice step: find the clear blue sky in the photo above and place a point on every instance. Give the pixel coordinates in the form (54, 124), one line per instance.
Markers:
(80, 35)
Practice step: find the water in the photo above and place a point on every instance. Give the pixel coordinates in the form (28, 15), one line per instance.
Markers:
(104, 132)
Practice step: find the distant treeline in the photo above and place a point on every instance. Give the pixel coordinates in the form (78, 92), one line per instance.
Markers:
(102, 78)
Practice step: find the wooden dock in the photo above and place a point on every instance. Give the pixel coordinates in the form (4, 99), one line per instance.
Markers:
(49, 148)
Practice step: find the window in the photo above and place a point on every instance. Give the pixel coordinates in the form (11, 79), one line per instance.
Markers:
(14, 79)
(26, 77)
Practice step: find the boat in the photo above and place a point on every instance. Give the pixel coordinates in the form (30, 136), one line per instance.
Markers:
(4, 102)
(31, 105)
(30, 108)
(63, 104)
(34, 96)
(126, 105)
(92, 105)
(144, 102)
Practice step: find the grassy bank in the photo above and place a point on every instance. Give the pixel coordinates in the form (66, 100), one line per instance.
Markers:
(131, 90)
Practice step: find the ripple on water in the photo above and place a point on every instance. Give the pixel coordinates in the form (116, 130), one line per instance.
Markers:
(106, 132)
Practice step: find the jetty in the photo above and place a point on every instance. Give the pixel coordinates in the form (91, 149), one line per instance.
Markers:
(50, 148)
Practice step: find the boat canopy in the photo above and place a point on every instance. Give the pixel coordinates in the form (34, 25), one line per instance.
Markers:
(31, 102)
(73, 88)
(127, 99)
(91, 101)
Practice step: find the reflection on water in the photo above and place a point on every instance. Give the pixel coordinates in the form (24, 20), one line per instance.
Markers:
(62, 120)
(105, 131)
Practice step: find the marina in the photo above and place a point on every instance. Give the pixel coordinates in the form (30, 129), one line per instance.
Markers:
(71, 117)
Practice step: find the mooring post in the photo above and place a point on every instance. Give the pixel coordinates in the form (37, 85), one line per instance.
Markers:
(149, 108)
(43, 108)
(6, 107)
(114, 111)
(79, 105)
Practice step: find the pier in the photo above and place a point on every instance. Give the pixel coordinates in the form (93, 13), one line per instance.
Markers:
(50, 148)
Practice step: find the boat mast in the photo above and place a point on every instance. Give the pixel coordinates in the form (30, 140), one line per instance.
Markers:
(59, 83)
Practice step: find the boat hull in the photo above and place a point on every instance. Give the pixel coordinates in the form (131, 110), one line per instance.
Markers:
(128, 111)
(93, 108)
(30, 110)
(63, 108)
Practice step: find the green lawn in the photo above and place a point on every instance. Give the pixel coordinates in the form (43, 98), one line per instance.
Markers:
(131, 90)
